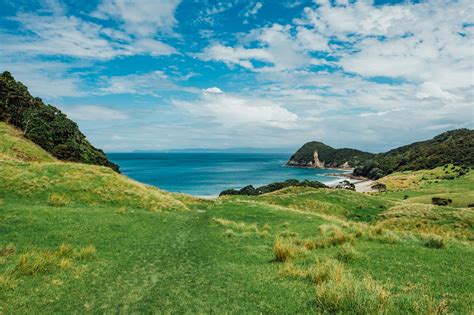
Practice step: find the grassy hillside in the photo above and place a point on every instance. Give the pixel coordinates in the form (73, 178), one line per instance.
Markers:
(46, 125)
(79, 238)
(14, 146)
(327, 156)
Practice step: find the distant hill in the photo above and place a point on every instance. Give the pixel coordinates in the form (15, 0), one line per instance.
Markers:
(456, 146)
(319, 155)
(46, 125)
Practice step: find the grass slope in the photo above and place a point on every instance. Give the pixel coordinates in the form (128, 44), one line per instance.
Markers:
(14, 146)
(79, 238)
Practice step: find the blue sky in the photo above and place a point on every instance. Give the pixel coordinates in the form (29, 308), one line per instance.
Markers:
(169, 74)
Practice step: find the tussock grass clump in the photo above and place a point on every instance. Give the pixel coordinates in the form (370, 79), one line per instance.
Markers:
(34, 263)
(348, 295)
(65, 250)
(347, 253)
(230, 233)
(86, 252)
(242, 227)
(65, 263)
(7, 281)
(42, 262)
(8, 250)
(58, 200)
(285, 250)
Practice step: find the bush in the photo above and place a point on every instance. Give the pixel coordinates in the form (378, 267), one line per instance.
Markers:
(438, 201)
(434, 241)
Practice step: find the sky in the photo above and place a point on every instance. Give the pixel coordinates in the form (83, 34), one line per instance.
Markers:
(172, 74)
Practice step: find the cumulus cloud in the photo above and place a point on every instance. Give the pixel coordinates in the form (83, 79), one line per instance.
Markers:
(234, 111)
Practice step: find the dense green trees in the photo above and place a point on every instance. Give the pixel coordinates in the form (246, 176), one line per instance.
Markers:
(455, 146)
(46, 125)
(327, 156)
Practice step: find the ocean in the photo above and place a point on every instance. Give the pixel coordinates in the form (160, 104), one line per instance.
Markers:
(207, 174)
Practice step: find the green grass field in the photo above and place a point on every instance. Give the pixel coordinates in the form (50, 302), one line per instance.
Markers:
(79, 238)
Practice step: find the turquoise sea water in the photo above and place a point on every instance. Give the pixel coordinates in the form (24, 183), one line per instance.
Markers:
(207, 174)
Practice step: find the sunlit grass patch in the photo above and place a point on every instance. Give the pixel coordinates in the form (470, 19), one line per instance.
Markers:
(58, 200)
(7, 281)
(86, 252)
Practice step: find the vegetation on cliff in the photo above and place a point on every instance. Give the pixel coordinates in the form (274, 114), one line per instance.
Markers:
(252, 191)
(46, 125)
(455, 146)
(318, 154)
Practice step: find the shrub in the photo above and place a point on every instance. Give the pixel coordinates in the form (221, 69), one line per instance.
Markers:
(438, 201)
(434, 241)
(58, 200)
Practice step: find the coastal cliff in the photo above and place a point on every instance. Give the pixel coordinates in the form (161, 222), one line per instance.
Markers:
(319, 155)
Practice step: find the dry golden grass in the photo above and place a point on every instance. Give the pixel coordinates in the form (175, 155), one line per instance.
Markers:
(86, 252)
(82, 183)
(65, 263)
(58, 200)
(13, 146)
(429, 219)
(285, 250)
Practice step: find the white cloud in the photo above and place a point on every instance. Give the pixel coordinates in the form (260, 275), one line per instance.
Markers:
(276, 48)
(71, 36)
(152, 83)
(253, 10)
(140, 17)
(234, 111)
(214, 90)
(93, 113)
